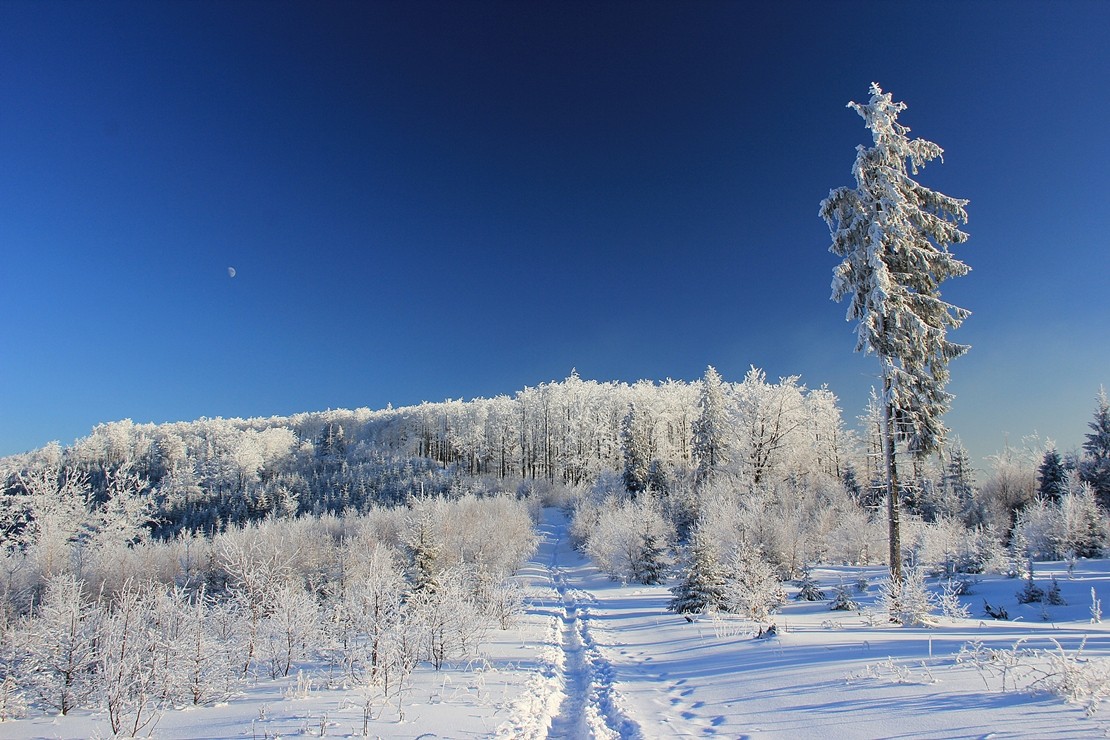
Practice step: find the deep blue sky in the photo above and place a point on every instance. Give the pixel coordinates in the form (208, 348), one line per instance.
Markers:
(453, 199)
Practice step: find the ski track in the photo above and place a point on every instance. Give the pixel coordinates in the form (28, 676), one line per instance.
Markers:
(576, 687)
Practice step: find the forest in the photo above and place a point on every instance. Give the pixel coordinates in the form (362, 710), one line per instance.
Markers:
(147, 565)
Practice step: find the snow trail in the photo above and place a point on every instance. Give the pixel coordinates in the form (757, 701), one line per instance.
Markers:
(574, 692)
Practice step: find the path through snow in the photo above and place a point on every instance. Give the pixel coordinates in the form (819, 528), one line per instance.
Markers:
(614, 663)
(573, 696)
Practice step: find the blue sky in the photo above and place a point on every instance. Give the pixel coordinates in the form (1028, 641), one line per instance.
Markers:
(440, 200)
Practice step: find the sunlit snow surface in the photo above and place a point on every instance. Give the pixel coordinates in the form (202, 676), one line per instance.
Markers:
(593, 658)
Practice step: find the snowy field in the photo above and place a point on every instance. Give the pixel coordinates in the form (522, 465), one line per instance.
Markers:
(593, 658)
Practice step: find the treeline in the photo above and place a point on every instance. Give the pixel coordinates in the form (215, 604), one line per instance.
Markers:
(776, 449)
(207, 474)
(733, 516)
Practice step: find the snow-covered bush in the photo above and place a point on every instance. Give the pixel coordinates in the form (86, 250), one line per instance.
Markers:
(855, 538)
(630, 540)
(1073, 523)
(945, 547)
(752, 587)
(909, 601)
(949, 600)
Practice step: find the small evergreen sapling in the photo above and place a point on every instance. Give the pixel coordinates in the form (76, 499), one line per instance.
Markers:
(703, 586)
(1054, 597)
(1031, 593)
(843, 601)
(807, 588)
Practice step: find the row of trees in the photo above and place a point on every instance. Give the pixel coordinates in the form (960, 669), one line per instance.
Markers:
(731, 545)
(207, 474)
(159, 624)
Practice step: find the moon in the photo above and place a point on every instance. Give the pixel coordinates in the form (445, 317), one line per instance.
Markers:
(231, 272)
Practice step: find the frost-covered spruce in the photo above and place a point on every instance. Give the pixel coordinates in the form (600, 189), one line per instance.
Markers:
(651, 566)
(710, 429)
(842, 600)
(1095, 466)
(703, 584)
(423, 552)
(893, 235)
(1052, 476)
(807, 588)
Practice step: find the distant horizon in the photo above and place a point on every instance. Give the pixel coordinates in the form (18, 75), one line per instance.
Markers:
(980, 459)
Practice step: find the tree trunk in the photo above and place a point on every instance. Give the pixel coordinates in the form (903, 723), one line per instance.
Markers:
(893, 504)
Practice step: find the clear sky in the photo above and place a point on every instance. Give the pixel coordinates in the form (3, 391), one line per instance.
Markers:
(455, 199)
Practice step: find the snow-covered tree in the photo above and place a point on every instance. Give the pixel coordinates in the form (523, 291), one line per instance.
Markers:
(702, 588)
(629, 540)
(958, 481)
(1052, 477)
(289, 629)
(256, 570)
(636, 449)
(1095, 466)
(710, 428)
(1010, 486)
(769, 421)
(60, 639)
(365, 606)
(894, 235)
(199, 663)
(752, 588)
(128, 647)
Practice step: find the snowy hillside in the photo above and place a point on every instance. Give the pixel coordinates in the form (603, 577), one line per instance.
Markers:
(594, 658)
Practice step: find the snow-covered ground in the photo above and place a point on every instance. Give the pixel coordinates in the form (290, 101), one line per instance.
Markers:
(648, 673)
(593, 658)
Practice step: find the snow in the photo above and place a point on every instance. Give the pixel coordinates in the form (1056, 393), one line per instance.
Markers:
(595, 658)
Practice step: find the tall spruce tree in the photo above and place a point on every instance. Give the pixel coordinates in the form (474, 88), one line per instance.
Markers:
(1095, 466)
(1052, 477)
(958, 480)
(635, 450)
(709, 428)
(893, 235)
